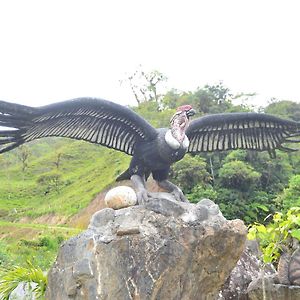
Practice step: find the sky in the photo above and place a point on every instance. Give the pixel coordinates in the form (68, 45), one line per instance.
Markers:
(57, 50)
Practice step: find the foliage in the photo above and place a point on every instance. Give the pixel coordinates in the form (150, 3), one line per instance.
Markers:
(51, 181)
(156, 117)
(144, 85)
(23, 155)
(278, 235)
(284, 109)
(240, 155)
(201, 191)
(275, 173)
(189, 172)
(238, 175)
(209, 99)
(11, 277)
(35, 242)
(291, 195)
(49, 243)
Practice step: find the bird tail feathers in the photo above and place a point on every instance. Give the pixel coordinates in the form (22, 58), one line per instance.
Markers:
(124, 176)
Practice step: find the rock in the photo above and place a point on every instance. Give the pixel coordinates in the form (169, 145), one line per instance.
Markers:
(289, 267)
(294, 268)
(120, 197)
(267, 288)
(283, 268)
(166, 250)
(247, 269)
(102, 218)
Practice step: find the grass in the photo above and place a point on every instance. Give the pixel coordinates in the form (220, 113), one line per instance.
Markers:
(37, 243)
(85, 170)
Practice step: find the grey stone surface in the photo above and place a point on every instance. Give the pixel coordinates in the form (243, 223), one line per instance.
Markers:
(267, 288)
(102, 218)
(247, 269)
(289, 267)
(167, 250)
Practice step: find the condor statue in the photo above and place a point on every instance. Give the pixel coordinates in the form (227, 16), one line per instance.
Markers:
(152, 150)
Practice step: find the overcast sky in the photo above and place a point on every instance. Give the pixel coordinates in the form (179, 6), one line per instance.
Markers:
(56, 50)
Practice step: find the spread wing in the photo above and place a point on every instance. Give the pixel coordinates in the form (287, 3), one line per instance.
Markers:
(93, 120)
(254, 131)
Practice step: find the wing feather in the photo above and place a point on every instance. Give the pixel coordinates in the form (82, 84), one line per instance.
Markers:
(93, 120)
(251, 131)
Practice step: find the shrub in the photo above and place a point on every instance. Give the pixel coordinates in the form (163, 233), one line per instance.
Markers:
(278, 235)
(238, 175)
(189, 172)
(291, 195)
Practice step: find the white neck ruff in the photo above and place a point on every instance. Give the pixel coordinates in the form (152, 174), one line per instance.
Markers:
(173, 143)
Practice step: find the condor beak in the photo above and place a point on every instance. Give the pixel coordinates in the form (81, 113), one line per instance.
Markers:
(191, 112)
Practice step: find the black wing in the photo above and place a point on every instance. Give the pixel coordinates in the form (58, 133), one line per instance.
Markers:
(93, 120)
(254, 131)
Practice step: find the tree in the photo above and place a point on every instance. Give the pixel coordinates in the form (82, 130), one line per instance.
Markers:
(209, 99)
(58, 157)
(189, 172)
(284, 109)
(171, 99)
(23, 155)
(238, 175)
(291, 195)
(5, 163)
(275, 173)
(144, 85)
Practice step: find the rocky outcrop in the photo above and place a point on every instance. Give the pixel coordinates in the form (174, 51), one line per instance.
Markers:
(268, 287)
(163, 250)
(247, 269)
(289, 267)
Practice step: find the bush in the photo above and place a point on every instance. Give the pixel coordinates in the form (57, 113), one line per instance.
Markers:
(51, 181)
(291, 195)
(189, 172)
(278, 235)
(238, 175)
(202, 191)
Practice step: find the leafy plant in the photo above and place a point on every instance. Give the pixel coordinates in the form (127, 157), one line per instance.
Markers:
(278, 235)
(202, 191)
(51, 181)
(238, 175)
(291, 195)
(189, 172)
(11, 277)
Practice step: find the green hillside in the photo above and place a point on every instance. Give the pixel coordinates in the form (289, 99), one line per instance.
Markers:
(44, 193)
(84, 170)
